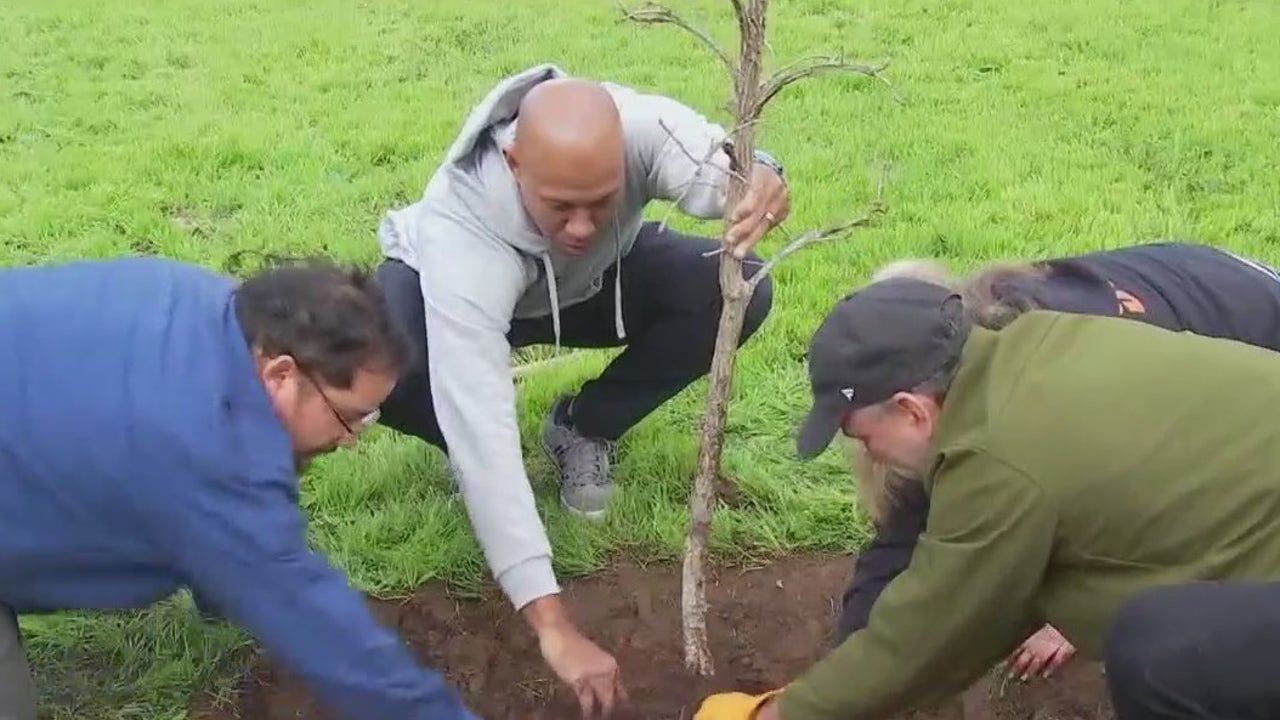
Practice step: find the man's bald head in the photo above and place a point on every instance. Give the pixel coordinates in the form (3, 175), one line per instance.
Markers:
(569, 121)
(569, 157)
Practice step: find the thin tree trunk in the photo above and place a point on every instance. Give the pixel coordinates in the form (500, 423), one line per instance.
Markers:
(736, 293)
(750, 97)
(702, 501)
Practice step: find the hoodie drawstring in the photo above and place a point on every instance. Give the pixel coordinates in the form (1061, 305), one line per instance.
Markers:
(554, 292)
(555, 297)
(617, 282)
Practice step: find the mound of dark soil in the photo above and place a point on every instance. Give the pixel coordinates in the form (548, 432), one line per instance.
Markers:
(767, 624)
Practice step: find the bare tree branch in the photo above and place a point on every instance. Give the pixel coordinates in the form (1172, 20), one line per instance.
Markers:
(726, 146)
(704, 162)
(740, 14)
(809, 237)
(662, 227)
(655, 14)
(809, 67)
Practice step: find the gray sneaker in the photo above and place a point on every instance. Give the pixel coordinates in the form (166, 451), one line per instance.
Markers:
(583, 463)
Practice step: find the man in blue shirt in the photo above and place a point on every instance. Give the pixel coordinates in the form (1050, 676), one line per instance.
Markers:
(156, 416)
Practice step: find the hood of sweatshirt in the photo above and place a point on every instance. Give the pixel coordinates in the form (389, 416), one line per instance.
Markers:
(475, 173)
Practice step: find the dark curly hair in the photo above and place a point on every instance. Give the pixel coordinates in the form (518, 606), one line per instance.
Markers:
(333, 319)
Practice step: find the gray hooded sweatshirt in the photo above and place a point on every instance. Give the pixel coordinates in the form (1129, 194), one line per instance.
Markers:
(483, 263)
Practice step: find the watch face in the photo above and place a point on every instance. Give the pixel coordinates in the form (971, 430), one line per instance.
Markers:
(767, 159)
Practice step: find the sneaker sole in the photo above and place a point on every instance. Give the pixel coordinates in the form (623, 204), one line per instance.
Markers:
(593, 515)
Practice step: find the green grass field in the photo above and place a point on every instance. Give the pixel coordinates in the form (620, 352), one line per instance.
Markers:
(197, 130)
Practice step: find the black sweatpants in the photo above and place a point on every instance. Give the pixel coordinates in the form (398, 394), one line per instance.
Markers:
(1202, 650)
(670, 307)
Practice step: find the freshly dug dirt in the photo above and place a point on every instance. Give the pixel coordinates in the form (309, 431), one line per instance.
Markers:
(766, 624)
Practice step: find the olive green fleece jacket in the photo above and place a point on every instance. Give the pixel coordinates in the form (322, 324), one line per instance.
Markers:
(1077, 461)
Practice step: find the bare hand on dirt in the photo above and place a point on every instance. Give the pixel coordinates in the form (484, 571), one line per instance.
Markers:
(590, 671)
(1042, 653)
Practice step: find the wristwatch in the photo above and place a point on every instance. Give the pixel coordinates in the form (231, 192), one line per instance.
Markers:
(770, 162)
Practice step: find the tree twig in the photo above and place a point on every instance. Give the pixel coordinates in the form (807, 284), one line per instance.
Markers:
(655, 14)
(706, 160)
(700, 163)
(740, 14)
(809, 67)
(710, 151)
(809, 237)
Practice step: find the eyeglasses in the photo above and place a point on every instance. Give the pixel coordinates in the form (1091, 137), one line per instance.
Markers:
(361, 424)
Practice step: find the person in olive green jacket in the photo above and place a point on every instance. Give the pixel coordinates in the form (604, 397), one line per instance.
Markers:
(1116, 479)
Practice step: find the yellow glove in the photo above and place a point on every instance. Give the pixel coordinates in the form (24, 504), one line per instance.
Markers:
(732, 706)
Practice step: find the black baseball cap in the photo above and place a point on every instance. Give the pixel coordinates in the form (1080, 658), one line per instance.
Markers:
(882, 339)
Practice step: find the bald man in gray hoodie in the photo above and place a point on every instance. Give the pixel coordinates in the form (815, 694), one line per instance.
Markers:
(532, 230)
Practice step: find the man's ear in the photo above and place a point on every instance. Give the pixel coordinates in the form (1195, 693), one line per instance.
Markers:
(512, 157)
(915, 406)
(276, 370)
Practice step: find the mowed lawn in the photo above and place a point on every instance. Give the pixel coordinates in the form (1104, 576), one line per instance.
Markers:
(197, 130)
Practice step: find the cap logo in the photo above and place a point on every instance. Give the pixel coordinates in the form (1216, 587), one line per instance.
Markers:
(847, 393)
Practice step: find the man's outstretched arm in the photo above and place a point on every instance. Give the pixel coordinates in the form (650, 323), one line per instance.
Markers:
(962, 604)
(240, 543)
(474, 397)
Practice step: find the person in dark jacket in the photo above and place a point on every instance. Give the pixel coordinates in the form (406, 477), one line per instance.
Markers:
(156, 418)
(1175, 285)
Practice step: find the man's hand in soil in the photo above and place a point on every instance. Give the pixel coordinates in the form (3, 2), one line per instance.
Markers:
(1041, 653)
(578, 662)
